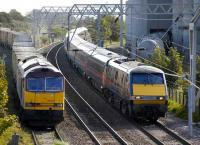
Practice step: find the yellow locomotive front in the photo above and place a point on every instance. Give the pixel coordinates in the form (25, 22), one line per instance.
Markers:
(43, 95)
(149, 93)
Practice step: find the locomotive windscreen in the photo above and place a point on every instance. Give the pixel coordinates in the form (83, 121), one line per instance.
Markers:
(54, 84)
(147, 78)
(45, 84)
(35, 84)
(148, 84)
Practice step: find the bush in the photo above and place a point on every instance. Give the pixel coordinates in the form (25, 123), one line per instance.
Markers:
(3, 89)
(9, 123)
(180, 111)
(6, 122)
(44, 40)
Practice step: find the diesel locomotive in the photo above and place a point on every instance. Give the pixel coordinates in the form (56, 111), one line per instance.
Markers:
(40, 86)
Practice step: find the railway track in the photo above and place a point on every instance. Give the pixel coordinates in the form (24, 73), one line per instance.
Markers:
(91, 120)
(46, 137)
(160, 134)
(172, 133)
(147, 130)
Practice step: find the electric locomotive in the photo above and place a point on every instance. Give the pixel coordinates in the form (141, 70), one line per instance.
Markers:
(137, 89)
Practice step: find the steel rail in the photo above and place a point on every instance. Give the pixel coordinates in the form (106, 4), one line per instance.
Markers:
(94, 138)
(34, 138)
(111, 130)
(153, 138)
(58, 135)
(91, 134)
(171, 133)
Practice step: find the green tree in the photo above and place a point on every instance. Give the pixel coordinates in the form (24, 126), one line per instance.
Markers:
(106, 24)
(5, 18)
(176, 61)
(110, 27)
(44, 40)
(173, 62)
(115, 29)
(3, 89)
(15, 15)
(176, 65)
(159, 57)
(91, 24)
(59, 31)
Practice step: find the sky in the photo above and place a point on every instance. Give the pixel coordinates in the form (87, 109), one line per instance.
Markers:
(25, 6)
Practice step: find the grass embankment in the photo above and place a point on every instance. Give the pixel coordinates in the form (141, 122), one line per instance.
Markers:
(60, 143)
(9, 123)
(180, 111)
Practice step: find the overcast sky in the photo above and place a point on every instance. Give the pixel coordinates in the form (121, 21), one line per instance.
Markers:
(25, 6)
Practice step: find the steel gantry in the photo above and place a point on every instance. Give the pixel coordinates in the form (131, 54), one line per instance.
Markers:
(53, 15)
(59, 15)
(100, 10)
(46, 17)
(116, 9)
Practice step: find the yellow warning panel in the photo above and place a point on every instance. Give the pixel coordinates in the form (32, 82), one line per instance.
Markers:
(149, 90)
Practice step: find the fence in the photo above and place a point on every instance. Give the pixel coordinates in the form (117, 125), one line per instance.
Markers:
(178, 96)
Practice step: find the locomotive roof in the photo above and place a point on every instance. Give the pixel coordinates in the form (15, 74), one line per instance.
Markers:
(104, 55)
(38, 63)
(24, 52)
(29, 60)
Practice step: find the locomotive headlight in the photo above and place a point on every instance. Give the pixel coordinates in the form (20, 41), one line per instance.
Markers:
(29, 104)
(161, 98)
(58, 104)
(138, 97)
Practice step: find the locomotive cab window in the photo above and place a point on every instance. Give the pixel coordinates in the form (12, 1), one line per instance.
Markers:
(147, 78)
(54, 84)
(45, 84)
(35, 84)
